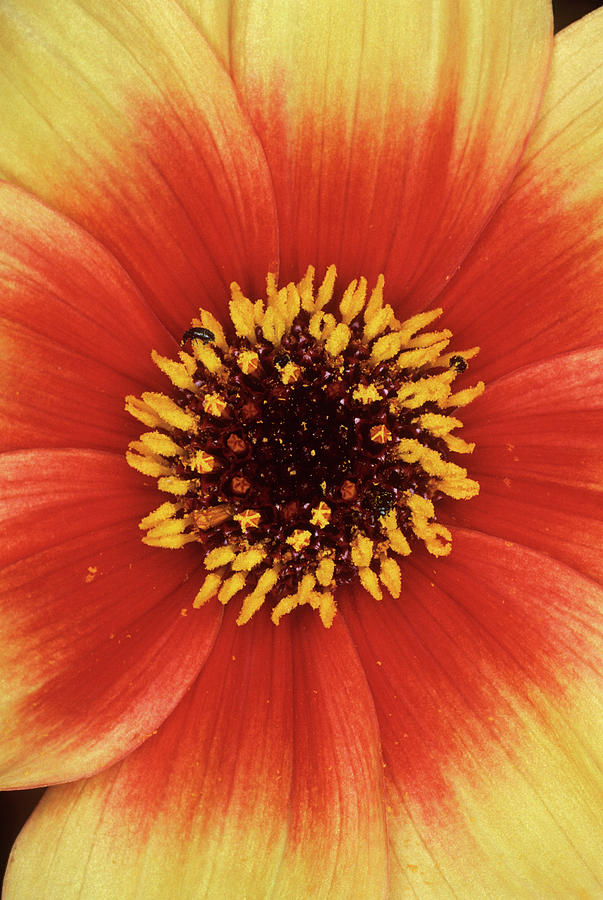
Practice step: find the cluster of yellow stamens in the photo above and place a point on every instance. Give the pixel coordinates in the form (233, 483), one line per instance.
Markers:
(307, 450)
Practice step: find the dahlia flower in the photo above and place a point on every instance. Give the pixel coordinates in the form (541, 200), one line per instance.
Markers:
(310, 642)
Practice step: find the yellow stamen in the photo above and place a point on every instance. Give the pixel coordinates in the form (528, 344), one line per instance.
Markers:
(462, 398)
(163, 512)
(208, 589)
(249, 559)
(207, 356)
(370, 582)
(391, 576)
(173, 485)
(324, 572)
(242, 313)
(274, 326)
(160, 443)
(170, 412)
(176, 372)
(146, 466)
(362, 550)
(255, 599)
(231, 587)
(220, 556)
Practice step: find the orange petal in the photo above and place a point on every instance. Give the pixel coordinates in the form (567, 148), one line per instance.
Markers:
(265, 781)
(95, 649)
(123, 118)
(485, 684)
(391, 128)
(534, 279)
(76, 334)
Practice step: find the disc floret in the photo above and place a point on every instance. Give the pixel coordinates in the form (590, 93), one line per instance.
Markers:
(308, 449)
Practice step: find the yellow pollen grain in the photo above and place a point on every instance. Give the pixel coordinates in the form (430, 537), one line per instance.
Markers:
(366, 393)
(305, 594)
(436, 424)
(293, 304)
(168, 541)
(170, 412)
(299, 539)
(255, 599)
(208, 589)
(458, 445)
(362, 550)
(432, 389)
(168, 527)
(219, 556)
(325, 571)
(436, 537)
(176, 372)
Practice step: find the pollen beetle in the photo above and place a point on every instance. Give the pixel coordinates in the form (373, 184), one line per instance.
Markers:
(198, 334)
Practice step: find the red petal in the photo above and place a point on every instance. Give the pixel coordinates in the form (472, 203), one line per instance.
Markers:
(96, 648)
(122, 117)
(265, 781)
(531, 288)
(538, 460)
(77, 335)
(482, 674)
(390, 129)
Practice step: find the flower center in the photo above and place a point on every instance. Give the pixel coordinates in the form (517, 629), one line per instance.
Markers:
(306, 451)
